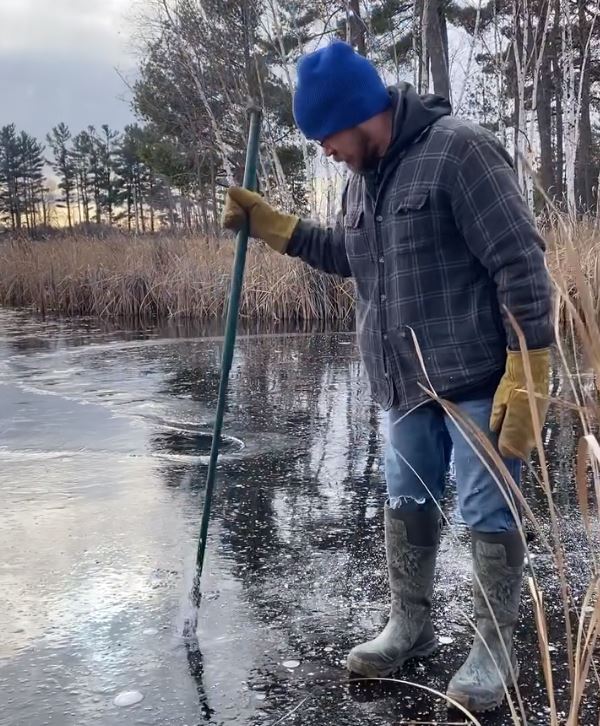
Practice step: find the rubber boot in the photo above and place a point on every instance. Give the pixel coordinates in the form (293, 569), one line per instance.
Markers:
(411, 540)
(479, 685)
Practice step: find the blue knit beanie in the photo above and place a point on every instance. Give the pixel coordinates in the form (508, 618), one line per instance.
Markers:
(337, 89)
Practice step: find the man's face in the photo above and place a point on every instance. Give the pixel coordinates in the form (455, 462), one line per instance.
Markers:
(352, 147)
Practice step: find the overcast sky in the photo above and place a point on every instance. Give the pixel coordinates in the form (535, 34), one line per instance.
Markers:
(58, 61)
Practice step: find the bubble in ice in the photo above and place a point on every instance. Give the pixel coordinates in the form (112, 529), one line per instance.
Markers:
(150, 631)
(128, 698)
(291, 664)
(446, 639)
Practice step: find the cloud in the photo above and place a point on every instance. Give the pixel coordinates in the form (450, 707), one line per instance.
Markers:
(88, 27)
(59, 63)
(39, 92)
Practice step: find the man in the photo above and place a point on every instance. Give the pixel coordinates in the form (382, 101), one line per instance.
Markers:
(440, 243)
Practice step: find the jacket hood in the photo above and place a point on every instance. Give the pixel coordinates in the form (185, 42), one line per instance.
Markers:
(413, 114)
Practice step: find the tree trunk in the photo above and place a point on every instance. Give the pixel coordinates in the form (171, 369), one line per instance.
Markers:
(44, 208)
(583, 174)
(516, 119)
(419, 46)
(151, 202)
(250, 68)
(136, 208)
(437, 42)
(213, 196)
(558, 100)
(27, 207)
(540, 94)
(206, 226)
(85, 200)
(142, 217)
(97, 202)
(78, 194)
(544, 116)
(140, 196)
(17, 206)
(68, 203)
(570, 108)
(521, 50)
(172, 219)
(357, 28)
(32, 207)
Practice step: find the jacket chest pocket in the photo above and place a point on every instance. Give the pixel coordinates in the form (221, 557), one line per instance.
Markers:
(356, 235)
(413, 219)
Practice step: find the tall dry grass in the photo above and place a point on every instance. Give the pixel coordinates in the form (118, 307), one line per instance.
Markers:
(573, 248)
(189, 277)
(568, 638)
(162, 276)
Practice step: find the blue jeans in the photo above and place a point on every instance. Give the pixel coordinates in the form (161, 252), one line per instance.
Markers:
(424, 439)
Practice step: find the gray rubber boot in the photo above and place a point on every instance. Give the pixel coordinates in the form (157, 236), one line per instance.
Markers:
(498, 563)
(411, 540)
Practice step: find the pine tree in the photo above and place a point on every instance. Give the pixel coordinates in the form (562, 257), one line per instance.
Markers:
(134, 180)
(82, 154)
(63, 164)
(32, 181)
(11, 171)
(106, 145)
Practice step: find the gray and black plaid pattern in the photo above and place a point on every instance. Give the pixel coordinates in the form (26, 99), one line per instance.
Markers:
(445, 244)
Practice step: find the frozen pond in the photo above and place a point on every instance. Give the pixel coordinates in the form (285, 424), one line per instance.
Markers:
(104, 437)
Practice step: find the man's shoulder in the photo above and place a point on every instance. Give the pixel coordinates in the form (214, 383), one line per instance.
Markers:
(461, 132)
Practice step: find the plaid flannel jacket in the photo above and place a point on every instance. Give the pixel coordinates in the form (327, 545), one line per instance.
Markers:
(444, 245)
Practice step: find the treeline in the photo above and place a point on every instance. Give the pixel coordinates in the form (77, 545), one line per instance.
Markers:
(97, 177)
(23, 193)
(526, 70)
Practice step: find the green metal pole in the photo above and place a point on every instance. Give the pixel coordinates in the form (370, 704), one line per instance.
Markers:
(228, 346)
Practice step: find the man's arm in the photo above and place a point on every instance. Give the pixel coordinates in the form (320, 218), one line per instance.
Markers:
(321, 247)
(491, 213)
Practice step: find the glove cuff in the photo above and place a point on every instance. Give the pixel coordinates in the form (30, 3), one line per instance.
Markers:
(539, 361)
(280, 233)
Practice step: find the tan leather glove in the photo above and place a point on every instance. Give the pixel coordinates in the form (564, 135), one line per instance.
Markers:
(266, 223)
(511, 416)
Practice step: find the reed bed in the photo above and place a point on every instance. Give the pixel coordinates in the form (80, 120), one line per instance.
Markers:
(161, 276)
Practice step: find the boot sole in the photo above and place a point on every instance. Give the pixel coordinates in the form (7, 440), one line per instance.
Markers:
(369, 670)
(472, 705)
(475, 706)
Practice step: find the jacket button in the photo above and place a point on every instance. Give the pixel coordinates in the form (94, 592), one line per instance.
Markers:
(382, 298)
(379, 218)
(382, 260)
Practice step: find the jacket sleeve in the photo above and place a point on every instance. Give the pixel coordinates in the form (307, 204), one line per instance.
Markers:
(321, 247)
(497, 226)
